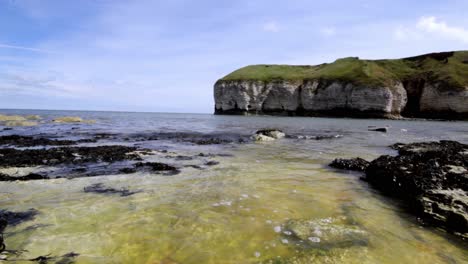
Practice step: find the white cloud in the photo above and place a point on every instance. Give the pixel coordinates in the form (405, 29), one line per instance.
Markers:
(6, 46)
(328, 31)
(432, 25)
(271, 27)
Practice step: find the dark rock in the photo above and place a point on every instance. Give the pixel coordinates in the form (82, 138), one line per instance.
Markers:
(156, 166)
(356, 164)
(431, 177)
(16, 218)
(128, 170)
(379, 129)
(87, 140)
(68, 258)
(3, 225)
(7, 128)
(211, 141)
(71, 155)
(29, 177)
(198, 167)
(180, 157)
(212, 163)
(26, 141)
(101, 189)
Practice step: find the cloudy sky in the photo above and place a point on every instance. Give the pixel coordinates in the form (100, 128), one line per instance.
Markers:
(165, 56)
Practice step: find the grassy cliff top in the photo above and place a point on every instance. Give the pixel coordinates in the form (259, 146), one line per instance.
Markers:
(448, 67)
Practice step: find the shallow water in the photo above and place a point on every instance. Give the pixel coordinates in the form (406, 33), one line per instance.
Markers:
(228, 213)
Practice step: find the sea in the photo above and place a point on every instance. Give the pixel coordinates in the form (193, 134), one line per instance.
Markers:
(236, 211)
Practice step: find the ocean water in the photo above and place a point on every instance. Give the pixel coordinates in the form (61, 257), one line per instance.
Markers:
(236, 211)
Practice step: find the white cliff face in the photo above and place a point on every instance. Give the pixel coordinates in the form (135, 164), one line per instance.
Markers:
(257, 95)
(337, 95)
(437, 99)
(290, 96)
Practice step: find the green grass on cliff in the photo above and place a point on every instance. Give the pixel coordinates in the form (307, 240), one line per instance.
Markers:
(448, 67)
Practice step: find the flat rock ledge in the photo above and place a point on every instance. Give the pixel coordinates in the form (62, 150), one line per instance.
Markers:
(432, 179)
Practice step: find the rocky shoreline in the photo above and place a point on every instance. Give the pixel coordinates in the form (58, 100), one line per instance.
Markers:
(431, 178)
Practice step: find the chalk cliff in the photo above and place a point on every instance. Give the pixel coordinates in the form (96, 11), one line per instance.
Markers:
(433, 85)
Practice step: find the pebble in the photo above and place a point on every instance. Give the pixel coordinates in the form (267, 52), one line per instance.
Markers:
(257, 254)
(277, 229)
(284, 241)
(314, 239)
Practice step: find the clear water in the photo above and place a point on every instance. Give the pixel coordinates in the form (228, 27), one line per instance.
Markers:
(228, 213)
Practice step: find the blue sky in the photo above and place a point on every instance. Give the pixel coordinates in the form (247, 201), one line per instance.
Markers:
(165, 56)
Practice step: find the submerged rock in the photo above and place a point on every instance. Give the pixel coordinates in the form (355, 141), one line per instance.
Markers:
(432, 177)
(212, 163)
(13, 219)
(101, 189)
(16, 218)
(156, 166)
(68, 258)
(356, 164)
(325, 233)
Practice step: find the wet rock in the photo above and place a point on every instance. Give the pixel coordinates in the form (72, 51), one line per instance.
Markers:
(28, 177)
(156, 166)
(315, 137)
(431, 177)
(212, 163)
(379, 129)
(189, 137)
(198, 167)
(26, 141)
(128, 170)
(101, 189)
(180, 157)
(270, 133)
(325, 233)
(3, 225)
(71, 155)
(356, 164)
(262, 138)
(68, 258)
(211, 141)
(16, 218)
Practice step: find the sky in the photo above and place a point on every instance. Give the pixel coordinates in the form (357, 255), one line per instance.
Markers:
(165, 56)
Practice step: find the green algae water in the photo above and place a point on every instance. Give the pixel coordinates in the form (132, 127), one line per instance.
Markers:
(238, 211)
